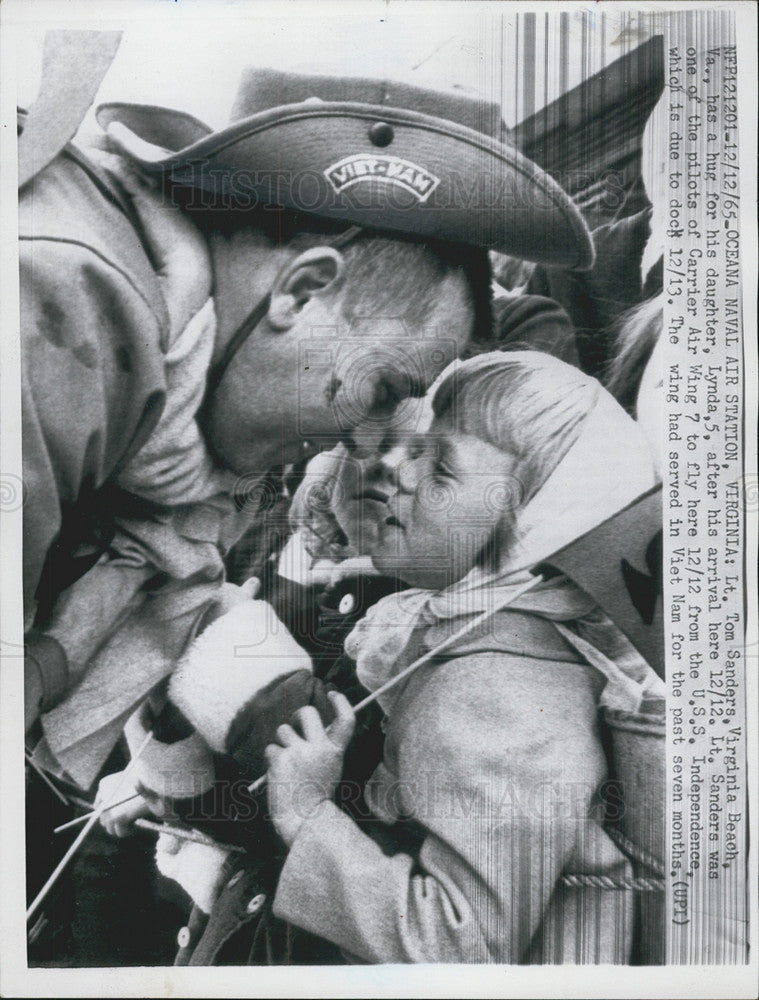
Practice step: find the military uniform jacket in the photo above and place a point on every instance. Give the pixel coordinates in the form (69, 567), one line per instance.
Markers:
(94, 328)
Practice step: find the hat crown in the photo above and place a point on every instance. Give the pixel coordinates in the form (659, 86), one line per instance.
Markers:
(263, 89)
(381, 154)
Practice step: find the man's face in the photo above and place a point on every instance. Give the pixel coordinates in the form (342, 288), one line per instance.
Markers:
(327, 379)
(356, 379)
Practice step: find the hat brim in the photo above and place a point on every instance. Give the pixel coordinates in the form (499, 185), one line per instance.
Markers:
(164, 127)
(433, 179)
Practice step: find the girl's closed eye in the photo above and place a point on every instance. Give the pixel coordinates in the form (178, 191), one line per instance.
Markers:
(441, 470)
(415, 448)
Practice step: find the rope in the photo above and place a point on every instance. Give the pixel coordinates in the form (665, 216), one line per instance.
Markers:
(604, 882)
(635, 852)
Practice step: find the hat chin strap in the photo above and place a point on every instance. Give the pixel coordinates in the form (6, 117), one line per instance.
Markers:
(254, 317)
(238, 338)
(218, 371)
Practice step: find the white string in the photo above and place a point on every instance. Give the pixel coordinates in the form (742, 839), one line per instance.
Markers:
(33, 764)
(464, 630)
(82, 834)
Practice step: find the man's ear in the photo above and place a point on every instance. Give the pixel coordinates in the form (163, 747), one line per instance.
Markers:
(310, 273)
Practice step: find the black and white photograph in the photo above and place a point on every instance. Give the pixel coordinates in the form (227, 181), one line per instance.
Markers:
(379, 498)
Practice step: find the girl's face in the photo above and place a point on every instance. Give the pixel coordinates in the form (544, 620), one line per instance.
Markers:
(451, 493)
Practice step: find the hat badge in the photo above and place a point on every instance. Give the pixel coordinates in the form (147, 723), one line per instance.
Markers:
(362, 168)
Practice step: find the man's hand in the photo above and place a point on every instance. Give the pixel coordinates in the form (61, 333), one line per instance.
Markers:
(339, 504)
(312, 510)
(304, 770)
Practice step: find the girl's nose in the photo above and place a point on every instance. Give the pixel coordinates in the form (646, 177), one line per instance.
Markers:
(408, 465)
(390, 462)
(379, 473)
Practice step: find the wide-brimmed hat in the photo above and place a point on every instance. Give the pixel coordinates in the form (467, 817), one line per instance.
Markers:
(372, 153)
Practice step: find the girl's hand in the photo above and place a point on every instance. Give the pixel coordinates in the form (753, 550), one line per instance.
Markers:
(114, 788)
(304, 770)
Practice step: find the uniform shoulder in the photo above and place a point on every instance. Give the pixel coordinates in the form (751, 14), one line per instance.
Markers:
(486, 702)
(71, 204)
(508, 680)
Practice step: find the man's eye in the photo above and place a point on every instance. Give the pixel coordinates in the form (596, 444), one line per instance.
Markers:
(388, 395)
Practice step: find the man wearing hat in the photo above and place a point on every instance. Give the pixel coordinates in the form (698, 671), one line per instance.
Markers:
(342, 226)
(346, 223)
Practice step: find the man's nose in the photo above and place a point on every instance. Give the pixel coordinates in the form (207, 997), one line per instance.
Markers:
(393, 385)
(382, 472)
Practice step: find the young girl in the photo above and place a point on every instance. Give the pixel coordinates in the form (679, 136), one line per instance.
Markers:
(485, 841)
(488, 826)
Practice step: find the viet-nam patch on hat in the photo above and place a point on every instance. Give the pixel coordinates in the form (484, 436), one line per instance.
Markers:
(372, 153)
